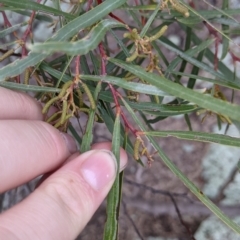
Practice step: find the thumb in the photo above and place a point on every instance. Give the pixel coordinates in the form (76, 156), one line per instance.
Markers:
(63, 204)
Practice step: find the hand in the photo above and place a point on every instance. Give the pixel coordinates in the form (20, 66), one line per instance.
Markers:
(64, 202)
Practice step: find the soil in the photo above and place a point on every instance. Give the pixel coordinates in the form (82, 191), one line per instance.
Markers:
(152, 212)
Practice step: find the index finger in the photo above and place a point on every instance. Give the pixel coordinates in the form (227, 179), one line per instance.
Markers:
(18, 105)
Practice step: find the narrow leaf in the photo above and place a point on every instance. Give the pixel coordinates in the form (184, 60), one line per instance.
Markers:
(225, 83)
(190, 52)
(121, 82)
(28, 88)
(30, 5)
(198, 136)
(88, 135)
(192, 60)
(111, 225)
(202, 100)
(81, 47)
(66, 32)
(9, 30)
(225, 28)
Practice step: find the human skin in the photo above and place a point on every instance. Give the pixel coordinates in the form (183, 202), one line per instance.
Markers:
(74, 184)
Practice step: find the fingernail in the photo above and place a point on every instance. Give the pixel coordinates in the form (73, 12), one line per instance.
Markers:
(99, 169)
(70, 142)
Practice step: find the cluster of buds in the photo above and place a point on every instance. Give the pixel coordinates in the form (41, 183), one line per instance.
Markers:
(143, 49)
(143, 46)
(175, 5)
(68, 108)
(216, 94)
(140, 150)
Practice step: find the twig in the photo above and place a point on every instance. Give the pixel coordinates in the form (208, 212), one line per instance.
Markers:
(5, 19)
(115, 93)
(13, 54)
(180, 217)
(230, 179)
(89, 4)
(156, 191)
(170, 195)
(218, 40)
(112, 15)
(132, 222)
(28, 32)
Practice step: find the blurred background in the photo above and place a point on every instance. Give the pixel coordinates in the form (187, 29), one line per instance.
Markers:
(155, 204)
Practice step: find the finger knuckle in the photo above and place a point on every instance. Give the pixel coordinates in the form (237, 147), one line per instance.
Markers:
(71, 193)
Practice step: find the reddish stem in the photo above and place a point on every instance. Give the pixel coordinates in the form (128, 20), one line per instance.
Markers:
(90, 2)
(6, 21)
(191, 4)
(115, 93)
(218, 40)
(128, 125)
(234, 58)
(112, 15)
(28, 32)
(77, 62)
(18, 79)
(143, 19)
(104, 73)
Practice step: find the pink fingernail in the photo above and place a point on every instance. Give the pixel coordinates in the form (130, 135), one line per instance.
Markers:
(99, 169)
(70, 142)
